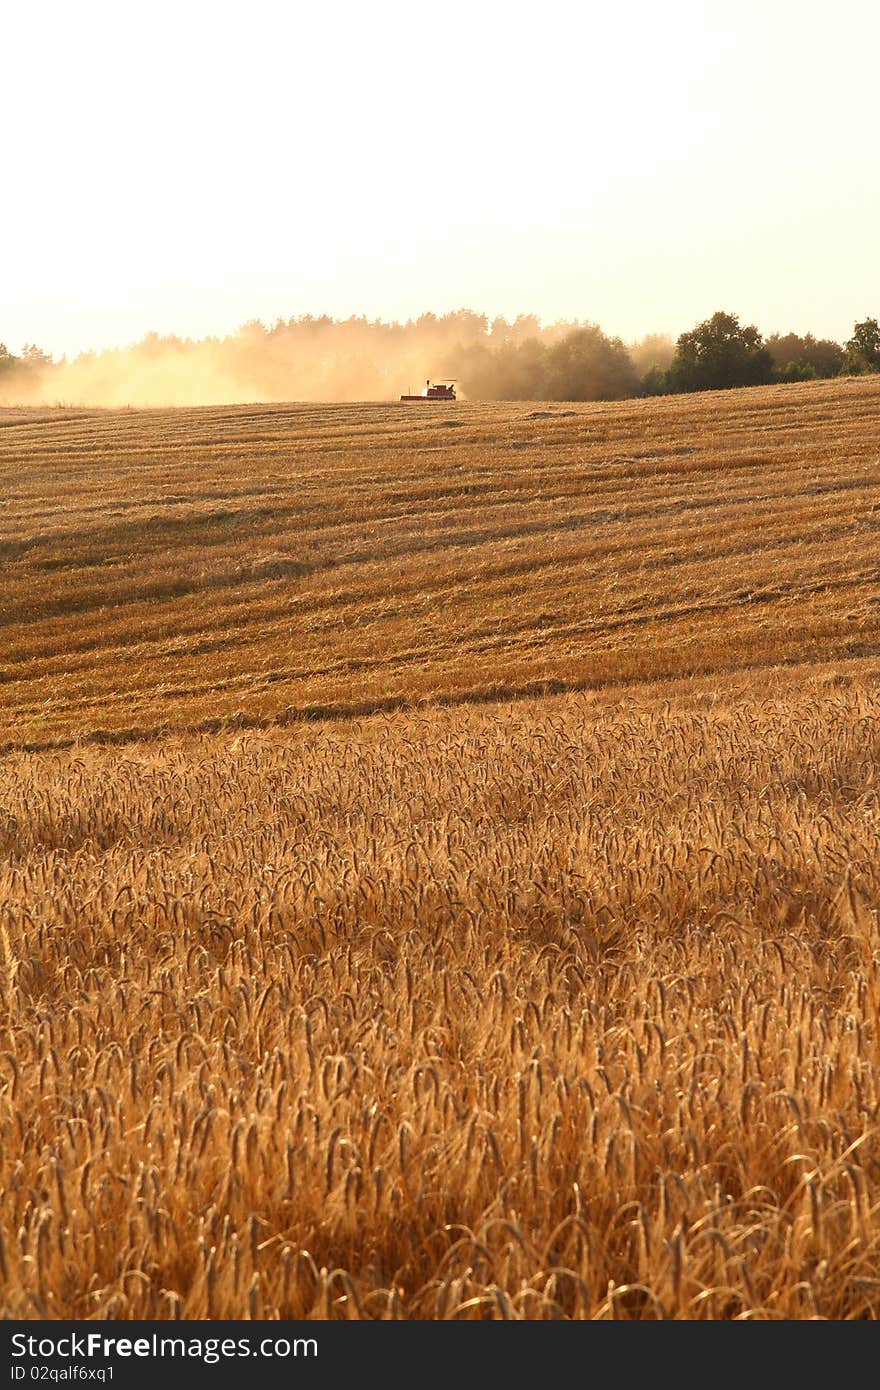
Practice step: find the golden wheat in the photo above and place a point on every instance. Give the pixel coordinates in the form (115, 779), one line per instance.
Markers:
(528, 1011)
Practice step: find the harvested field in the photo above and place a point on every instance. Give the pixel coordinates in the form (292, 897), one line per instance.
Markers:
(561, 1007)
(176, 569)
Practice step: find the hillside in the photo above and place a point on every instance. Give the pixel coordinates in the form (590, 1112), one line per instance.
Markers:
(173, 569)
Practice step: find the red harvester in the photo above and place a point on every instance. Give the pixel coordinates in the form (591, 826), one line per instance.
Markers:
(434, 391)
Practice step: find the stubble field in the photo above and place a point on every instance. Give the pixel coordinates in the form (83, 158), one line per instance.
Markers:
(334, 984)
(170, 569)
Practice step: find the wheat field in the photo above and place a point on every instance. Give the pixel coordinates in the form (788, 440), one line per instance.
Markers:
(338, 979)
(186, 568)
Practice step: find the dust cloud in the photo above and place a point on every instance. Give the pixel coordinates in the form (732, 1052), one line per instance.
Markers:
(308, 359)
(324, 359)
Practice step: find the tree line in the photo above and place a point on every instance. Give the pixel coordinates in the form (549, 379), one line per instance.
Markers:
(719, 353)
(356, 358)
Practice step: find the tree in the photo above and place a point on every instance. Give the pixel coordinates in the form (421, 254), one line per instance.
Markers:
(655, 382)
(512, 372)
(863, 349)
(822, 354)
(795, 371)
(586, 365)
(719, 353)
(32, 356)
(652, 354)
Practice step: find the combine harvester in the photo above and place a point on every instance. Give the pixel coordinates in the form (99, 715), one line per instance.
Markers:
(434, 391)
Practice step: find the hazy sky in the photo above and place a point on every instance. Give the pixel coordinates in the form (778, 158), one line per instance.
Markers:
(187, 166)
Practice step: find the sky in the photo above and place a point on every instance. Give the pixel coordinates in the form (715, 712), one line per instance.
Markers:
(185, 167)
